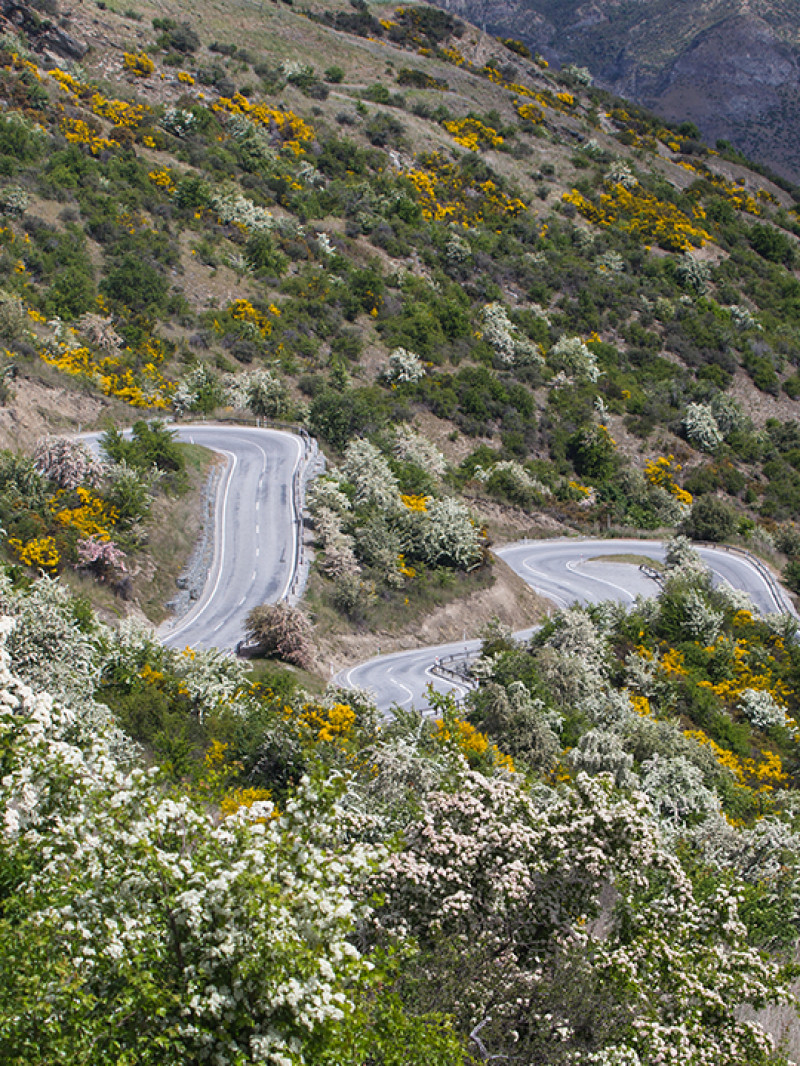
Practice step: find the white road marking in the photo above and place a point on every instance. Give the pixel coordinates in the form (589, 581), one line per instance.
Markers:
(436, 680)
(405, 688)
(572, 567)
(220, 543)
(539, 588)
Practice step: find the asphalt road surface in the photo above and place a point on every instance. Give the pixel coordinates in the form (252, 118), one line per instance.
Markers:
(255, 535)
(256, 541)
(566, 572)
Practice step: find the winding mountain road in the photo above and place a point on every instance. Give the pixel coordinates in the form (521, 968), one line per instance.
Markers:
(257, 530)
(258, 537)
(566, 572)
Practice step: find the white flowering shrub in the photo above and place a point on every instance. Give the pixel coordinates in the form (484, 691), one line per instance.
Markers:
(47, 648)
(600, 751)
(211, 678)
(733, 599)
(257, 140)
(326, 492)
(211, 939)
(509, 478)
(231, 206)
(700, 620)
(676, 789)
(693, 274)
(728, 413)
(338, 546)
(259, 391)
(765, 853)
(370, 475)
(576, 634)
(571, 356)
(680, 554)
(509, 344)
(500, 890)
(13, 317)
(67, 463)
(641, 671)
(179, 121)
(99, 331)
(528, 728)
(197, 390)
(404, 367)
(448, 536)
(457, 250)
(294, 69)
(582, 75)
(611, 262)
(761, 709)
(324, 245)
(592, 148)
(498, 331)
(413, 447)
(620, 173)
(14, 201)
(743, 318)
(402, 765)
(684, 564)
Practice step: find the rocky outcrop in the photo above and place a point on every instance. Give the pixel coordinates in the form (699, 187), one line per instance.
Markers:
(42, 33)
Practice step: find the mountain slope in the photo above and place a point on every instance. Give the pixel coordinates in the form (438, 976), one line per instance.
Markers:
(730, 66)
(501, 299)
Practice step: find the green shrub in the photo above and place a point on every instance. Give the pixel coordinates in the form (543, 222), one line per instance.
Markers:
(136, 284)
(710, 519)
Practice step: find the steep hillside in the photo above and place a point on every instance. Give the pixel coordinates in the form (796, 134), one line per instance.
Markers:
(487, 289)
(729, 66)
(506, 304)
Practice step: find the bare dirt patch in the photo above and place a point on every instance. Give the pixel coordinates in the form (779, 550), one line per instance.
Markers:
(37, 408)
(509, 599)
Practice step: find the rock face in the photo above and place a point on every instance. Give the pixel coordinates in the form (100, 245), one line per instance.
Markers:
(42, 32)
(730, 66)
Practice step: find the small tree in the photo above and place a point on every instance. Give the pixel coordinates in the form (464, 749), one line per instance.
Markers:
(709, 519)
(281, 631)
(67, 462)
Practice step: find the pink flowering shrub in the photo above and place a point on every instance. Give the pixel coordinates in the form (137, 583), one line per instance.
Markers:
(67, 462)
(101, 556)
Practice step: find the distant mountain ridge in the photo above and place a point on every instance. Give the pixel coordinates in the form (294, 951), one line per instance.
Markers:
(730, 66)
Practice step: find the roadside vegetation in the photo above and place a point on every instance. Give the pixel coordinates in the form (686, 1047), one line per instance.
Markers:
(201, 861)
(541, 299)
(497, 297)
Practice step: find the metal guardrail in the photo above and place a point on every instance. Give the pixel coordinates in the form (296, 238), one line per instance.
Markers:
(652, 573)
(457, 667)
(778, 593)
(311, 453)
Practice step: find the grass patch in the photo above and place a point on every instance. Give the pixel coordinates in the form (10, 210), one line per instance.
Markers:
(630, 559)
(283, 679)
(396, 609)
(174, 529)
